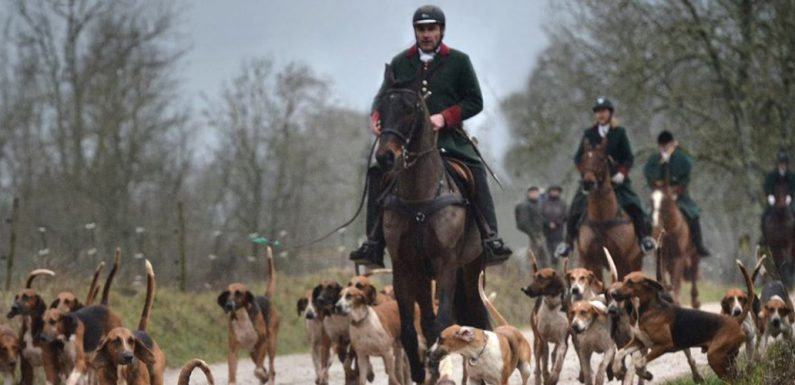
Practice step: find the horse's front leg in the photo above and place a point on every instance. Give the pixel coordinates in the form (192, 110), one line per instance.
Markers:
(445, 286)
(694, 301)
(406, 294)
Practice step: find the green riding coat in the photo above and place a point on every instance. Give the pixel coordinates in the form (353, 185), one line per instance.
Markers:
(773, 178)
(679, 166)
(455, 93)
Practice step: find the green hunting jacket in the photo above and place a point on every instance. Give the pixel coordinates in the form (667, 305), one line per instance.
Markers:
(455, 93)
(773, 178)
(679, 165)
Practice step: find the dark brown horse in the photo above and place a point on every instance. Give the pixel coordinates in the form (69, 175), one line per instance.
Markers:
(779, 230)
(428, 230)
(677, 251)
(606, 224)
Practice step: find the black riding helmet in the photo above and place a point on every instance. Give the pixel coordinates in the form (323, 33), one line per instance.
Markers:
(602, 103)
(428, 14)
(665, 137)
(782, 157)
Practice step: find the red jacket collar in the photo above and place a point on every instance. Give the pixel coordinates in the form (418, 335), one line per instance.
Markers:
(443, 50)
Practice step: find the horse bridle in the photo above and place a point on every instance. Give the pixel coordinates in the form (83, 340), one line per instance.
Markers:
(409, 158)
(600, 177)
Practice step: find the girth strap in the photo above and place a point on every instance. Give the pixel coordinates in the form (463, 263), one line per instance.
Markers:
(421, 210)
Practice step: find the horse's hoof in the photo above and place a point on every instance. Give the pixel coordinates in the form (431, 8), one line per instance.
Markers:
(445, 381)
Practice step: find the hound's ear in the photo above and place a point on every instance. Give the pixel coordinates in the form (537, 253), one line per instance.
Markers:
(101, 357)
(249, 298)
(70, 322)
(654, 285)
(465, 334)
(143, 353)
(568, 278)
(570, 314)
(598, 286)
(55, 303)
(222, 298)
(599, 308)
(78, 305)
(724, 305)
(370, 294)
(302, 304)
(316, 292)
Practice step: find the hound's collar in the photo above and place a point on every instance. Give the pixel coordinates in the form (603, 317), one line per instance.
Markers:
(474, 360)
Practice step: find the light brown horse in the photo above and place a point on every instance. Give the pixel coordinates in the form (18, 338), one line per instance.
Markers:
(779, 230)
(428, 230)
(606, 224)
(678, 254)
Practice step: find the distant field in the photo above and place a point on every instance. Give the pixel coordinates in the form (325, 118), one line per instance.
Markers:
(188, 325)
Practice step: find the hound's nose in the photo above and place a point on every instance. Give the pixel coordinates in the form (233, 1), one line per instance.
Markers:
(127, 358)
(339, 308)
(575, 290)
(612, 309)
(776, 323)
(229, 306)
(736, 312)
(310, 315)
(386, 160)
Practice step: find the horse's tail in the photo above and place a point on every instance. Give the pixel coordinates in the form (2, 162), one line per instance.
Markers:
(501, 321)
(35, 273)
(184, 374)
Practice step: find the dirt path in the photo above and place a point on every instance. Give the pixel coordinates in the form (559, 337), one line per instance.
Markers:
(296, 369)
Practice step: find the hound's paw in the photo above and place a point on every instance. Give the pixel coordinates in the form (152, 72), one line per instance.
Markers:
(261, 374)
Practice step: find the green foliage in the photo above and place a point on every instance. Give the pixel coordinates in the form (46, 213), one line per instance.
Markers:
(775, 368)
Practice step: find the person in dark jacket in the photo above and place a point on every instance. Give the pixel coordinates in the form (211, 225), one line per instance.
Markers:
(781, 175)
(622, 159)
(530, 222)
(553, 215)
(671, 163)
(448, 79)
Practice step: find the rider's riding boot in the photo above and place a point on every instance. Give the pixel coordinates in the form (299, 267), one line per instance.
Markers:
(564, 248)
(647, 243)
(696, 236)
(498, 252)
(371, 252)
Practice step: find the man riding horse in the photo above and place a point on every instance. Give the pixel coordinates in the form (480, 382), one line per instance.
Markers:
(671, 166)
(619, 152)
(446, 77)
(780, 176)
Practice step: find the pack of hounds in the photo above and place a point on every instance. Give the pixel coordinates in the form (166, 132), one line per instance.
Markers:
(631, 321)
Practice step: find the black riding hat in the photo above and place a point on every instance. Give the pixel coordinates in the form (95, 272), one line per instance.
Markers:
(782, 157)
(428, 14)
(602, 103)
(665, 137)
(555, 187)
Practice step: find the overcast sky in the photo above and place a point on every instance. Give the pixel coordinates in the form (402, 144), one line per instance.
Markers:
(349, 41)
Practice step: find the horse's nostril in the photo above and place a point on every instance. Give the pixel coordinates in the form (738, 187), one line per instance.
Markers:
(386, 160)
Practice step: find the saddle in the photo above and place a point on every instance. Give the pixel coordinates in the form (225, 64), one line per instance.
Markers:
(462, 176)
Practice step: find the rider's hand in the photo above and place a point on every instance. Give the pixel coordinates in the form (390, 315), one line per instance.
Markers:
(437, 121)
(789, 200)
(375, 123)
(618, 178)
(771, 200)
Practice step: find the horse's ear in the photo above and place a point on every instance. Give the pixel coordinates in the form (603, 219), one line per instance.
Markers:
(602, 146)
(389, 76)
(586, 145)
